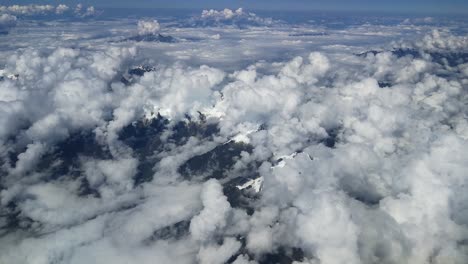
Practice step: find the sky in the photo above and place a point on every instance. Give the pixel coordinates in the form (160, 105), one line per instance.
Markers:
(420, 6)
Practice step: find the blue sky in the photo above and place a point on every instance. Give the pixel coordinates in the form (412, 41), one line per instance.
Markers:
(425, 6)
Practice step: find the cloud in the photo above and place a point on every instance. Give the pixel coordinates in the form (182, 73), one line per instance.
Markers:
(356, 158)
(438, 41)
(28, 10)
(115, 174)
(7, 22)
(90, 11)
(60, 9)
(223, 14)
(214, 214)
(219, 254)
(47, 10)
(146, 27)
(228, 17)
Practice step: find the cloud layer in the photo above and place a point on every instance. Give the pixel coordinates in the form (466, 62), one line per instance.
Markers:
(228, 17)
(325, 156)
(42, 10)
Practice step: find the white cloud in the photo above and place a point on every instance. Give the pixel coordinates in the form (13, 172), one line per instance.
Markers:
(325, 227)
(27, 9)
(237, 17)
(90, 11)
(60, 9)
(44, 10)
(219, 254)
(213, 216)
(116, 174)
(223, 14)
(146, 27)
(242, 259)
(439, 41)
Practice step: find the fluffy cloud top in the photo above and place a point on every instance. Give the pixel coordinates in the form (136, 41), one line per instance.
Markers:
(35, 10)
(146, 27)
(60, 9)
(27, 9)
(223, 14)
(214, 214)
(439, 41)
(229, 17)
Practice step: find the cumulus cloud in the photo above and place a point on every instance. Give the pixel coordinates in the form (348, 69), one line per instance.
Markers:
(60, 9)
(223, 14)
(238, 17)
(214, 214)
(425, 20)
(146, 27)
(90, 11)
(438, 41)
(27, 10)
(44, 10)
(7, 22)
